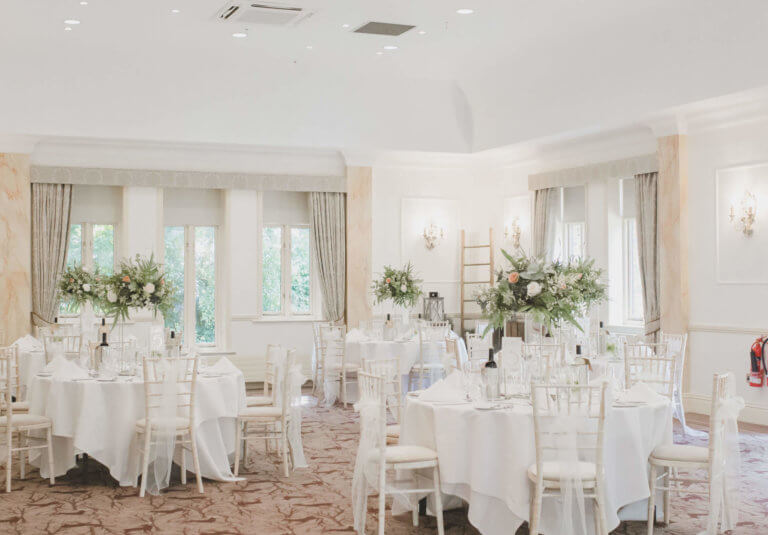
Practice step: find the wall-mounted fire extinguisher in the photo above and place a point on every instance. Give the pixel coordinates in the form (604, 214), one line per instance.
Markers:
(757, 372)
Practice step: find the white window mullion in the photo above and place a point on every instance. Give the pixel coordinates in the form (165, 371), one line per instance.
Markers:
(286, 262)
(189, 284)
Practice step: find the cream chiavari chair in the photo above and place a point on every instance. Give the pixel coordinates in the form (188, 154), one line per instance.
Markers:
(542, 360)
(318, 370)
(669, 459)
(397, 457)
(68, 343)
(2, 337)
(478, 346)
(584, 407)
(155, 369)
(650, 364)
(19, 406)
(270, 422)
(274, 351)
(18, 426)
(452, 350)
(335, 360)
(389, 369)
(431, 334)
(511, 353)
(676, 346)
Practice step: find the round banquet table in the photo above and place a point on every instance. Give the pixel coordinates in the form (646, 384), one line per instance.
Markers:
(408, 350)
(99, 418)
(484, 458)
(30, 364)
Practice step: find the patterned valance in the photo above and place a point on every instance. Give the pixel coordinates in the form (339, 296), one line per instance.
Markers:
(94, 176)
(577, 176)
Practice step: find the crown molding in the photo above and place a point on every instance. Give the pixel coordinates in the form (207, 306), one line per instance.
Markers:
(18, 144)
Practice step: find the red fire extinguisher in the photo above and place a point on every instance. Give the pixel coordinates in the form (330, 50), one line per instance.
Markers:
(756, 376)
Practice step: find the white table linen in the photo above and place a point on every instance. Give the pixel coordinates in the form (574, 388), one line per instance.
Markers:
(408, 350)
(30, 364)
(484, 457)
(99, 418)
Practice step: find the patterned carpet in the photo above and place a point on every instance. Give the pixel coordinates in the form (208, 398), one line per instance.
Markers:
(311, 501)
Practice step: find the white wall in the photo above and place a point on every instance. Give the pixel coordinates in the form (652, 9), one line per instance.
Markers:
(725, 318)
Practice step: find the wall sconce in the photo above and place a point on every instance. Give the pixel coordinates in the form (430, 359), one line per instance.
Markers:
(432, 235)
(744, 217)
(512, 233)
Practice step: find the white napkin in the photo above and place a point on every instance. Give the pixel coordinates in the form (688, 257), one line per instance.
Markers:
(356, 335)
(65, 370)
(448, 389)
(224, 365)
(640, 393)
(28, 344)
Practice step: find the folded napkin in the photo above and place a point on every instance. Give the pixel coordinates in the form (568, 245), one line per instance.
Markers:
(640, 393)
(224, 365)
(356, 335)
(28, 343)
(65, 370)
(448, 389)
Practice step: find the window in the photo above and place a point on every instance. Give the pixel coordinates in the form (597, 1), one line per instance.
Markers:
(92, 246)
(632, 289)
(566, 224)
(190, 265)
(286, 286)
(574, 240)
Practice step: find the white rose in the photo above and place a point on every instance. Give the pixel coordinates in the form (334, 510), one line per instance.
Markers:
(86, 287)
(149, 288)
(111, 296)
(403, 288)
(533, 288)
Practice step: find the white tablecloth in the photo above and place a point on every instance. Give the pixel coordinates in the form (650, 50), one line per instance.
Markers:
(484, 457)
(30, 364)
(408, 351)
(99, 418)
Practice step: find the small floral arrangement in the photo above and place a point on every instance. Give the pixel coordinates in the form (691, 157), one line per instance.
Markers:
(551, 292)
(137, 283)
(78, 286)
(398, 285)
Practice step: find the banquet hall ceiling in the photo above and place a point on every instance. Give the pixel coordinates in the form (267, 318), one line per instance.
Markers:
(510, 72)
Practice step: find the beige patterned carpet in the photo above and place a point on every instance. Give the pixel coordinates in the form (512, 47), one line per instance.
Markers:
(315, 500)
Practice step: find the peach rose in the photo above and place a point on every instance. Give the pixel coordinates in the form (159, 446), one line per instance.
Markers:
(126, 279)
(514, 277)
(389, 280)
(71, 280)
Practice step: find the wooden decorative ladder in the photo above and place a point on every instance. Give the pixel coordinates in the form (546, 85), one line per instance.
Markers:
(464, 283)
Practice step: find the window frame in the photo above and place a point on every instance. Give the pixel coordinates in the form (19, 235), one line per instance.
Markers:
(86, 250)
(286, 310)
(189, 313)
(627, 266)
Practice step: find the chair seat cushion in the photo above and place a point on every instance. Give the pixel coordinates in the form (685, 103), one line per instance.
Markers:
(261, 412)
(404, 454)
(23, 420)
(179, 422)
(681, 453)
(554, 471)
(393, 430)
(21, 406)
(258, 401)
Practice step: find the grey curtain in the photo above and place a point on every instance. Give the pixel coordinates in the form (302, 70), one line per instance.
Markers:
(329, 246)
(646, 201)
(540, 220)
(51, 204)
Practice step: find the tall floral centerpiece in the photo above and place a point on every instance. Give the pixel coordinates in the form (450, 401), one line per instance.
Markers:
(77, 286)
(137, 283)
(399, 286)
(551, 292)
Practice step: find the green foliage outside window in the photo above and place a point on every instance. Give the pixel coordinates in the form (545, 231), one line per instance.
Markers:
(271, 269)
(205, 285)
(300, 270)
(174, 272)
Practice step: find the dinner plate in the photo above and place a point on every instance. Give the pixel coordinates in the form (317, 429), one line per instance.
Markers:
(626, 404)
(488, 407)
(106, 379)
(44, 374)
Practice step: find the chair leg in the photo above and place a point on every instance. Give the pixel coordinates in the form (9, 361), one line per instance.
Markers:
(382, 509)
(536, 509)
(22, 457)
(196, 461)
(652, 499)
(9, 464)
(51, 470)
(667, 493)
(438, 502)
(238, 445)
(145, 461)
(415, 515)
(601, 509)
(284, 447)
(183, 465)
(343, 385)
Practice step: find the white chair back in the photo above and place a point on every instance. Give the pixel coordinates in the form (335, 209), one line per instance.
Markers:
(389, 370)
(542, 359)
(67, 344)
(274, 352)
(511, 352)
(9, 381)
(155, 369)
(651, 364)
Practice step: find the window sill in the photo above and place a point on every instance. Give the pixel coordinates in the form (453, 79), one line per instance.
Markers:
(626, 328)
(286, 319)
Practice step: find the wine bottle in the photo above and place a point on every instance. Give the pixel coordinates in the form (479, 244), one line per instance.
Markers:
(491, 374)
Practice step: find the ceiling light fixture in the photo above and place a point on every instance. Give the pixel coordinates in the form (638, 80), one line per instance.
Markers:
(345, 25)
(239, 35)
(83, 3)
(71, 21)
(422, 32)
(390, 47)
(465, 11)
(174, 11)
(309, 47)
(67, 29)
(379, 53)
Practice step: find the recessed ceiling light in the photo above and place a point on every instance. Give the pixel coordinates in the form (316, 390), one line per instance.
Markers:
(309, 47)
(379, 53)
(71, 21)
(390, 47)
(239, 35)
(465, 11)
(83, 3)
(422, 32)
(345, 25)
(67, 29)
(174, 11)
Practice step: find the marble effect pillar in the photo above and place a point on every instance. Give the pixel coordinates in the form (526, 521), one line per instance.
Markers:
(359, 244)
(15, 246)
(673, 236)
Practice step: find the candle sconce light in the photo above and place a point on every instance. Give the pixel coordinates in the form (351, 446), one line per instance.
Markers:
(744, 216)
(512, 232)
(432, 235)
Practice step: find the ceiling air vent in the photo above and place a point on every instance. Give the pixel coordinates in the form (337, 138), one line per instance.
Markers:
(262, 13)
(384, 28)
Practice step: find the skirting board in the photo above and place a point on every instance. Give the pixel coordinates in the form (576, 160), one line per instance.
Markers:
(752, 414)
(253, 366)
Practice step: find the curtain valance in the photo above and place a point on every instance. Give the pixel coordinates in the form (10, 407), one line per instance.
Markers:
(577, 176)
(97, 176)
